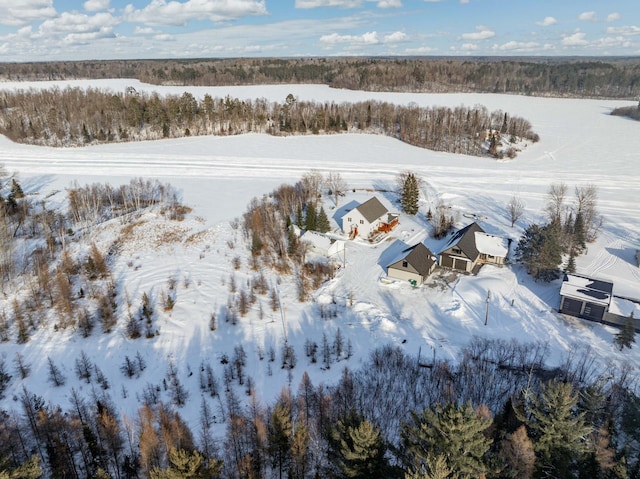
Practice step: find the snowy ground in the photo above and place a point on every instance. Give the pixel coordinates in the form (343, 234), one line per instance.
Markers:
(580, 144)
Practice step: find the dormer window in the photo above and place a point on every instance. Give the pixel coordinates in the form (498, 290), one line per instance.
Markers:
(456, 250)
(405, 264)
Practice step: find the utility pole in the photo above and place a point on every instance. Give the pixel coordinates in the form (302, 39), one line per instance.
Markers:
(486, 314)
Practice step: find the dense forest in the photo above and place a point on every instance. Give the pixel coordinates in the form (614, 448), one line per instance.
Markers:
(495, 413)
(76, 116)
(561, 77)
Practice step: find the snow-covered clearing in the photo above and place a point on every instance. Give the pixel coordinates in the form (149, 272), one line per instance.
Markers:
(217, 176)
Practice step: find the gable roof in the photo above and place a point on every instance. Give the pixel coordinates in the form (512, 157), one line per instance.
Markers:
(418, 256)
(586, 289)
(465, 240)
(372, 209)
(492, 245)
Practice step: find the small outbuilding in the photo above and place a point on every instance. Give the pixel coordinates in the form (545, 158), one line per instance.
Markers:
(414, 264)
(322, 244)
(585, 297)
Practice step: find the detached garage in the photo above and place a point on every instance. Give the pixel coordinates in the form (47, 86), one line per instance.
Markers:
(585, 297)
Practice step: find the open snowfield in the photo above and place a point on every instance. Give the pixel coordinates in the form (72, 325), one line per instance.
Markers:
(217, 176)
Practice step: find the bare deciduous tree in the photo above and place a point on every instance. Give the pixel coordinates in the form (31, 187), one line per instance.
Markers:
(336, 185)
(555, 201)
(515, 208)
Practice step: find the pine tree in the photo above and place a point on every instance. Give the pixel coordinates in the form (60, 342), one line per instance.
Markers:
(322, 222)
(579, 232)
(453, 432)
(540, 250)
(627, 335)
(359, 449)
(410, 195)
(187, 465)
(16, 190)
(279, 432)
(311, 218)
(558, 431)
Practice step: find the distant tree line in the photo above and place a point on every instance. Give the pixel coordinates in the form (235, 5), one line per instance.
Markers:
(560, 77)
(495, 412)
(75, 116)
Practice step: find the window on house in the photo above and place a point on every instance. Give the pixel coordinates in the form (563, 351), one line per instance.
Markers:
(456, 250)
(405, 264)
(349, 219)
(361, 222)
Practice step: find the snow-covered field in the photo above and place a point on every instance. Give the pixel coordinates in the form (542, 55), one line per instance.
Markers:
(217, 176)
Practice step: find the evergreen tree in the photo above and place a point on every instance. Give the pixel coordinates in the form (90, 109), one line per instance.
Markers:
(311, 218)
(627, 335)
(187, 465)
(359, 449)
(279, 432)
(322, 222)
(410, 194)
(558, 430)
(16, 190)
(299, 217)
(540, 250)
(453, 432)
(579, 232)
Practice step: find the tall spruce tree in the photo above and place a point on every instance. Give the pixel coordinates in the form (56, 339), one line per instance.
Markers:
(322, 221)
(311, 218)
(558, 429)
(455, 432)
(627, 335)
(360, 449)
(540, 250)
(410, 194)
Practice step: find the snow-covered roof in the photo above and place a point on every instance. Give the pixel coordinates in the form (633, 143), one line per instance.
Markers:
(624, 307)
(587, 289)
(491, 244)
(317, 239)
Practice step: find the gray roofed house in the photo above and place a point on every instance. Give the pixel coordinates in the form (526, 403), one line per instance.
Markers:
(367, 218)
(472, 246)
(414, 264)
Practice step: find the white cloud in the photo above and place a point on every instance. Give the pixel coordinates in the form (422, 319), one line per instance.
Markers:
(164, 37)
(548, 21)
(388, 3)
(627, 30)
(26, 11)
(612, 17)
(420, 50)
(68, 23)
(161, 12)
(145, 31)
(483, 33)
(577, 39)
(588, 17)
(327, 3)
(514, 46)
(395, 37)
(469, 47)
(96, 5)
(463, 2)
(369, 38)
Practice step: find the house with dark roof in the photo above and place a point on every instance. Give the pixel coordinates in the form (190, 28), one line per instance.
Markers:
(585, 297)
(368, 218)
(414, 264)
(471, 247)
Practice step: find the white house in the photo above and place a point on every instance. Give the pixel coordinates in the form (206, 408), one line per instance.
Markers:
(368, 218)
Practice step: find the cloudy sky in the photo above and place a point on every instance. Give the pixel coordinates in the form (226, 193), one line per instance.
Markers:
(39, 30)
